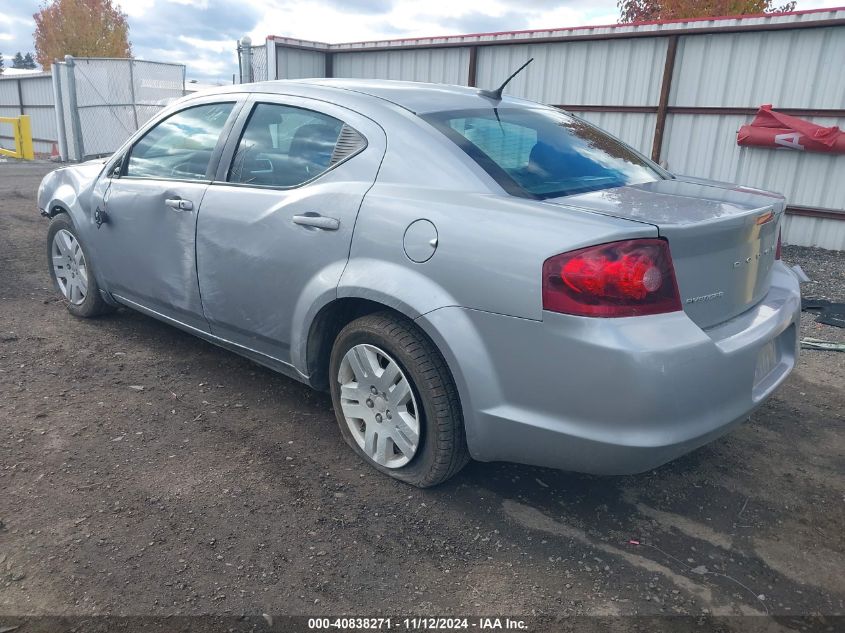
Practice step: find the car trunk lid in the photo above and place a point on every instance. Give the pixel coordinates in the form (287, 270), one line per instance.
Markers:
(722, 238)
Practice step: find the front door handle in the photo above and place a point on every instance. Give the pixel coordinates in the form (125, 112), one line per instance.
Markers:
(317, 221)
(179, 204)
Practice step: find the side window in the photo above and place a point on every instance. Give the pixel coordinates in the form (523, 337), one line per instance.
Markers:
(508, 144)
(179, 147)
(283, 146)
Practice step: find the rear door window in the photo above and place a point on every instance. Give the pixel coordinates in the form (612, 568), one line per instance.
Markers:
(542, 153)
(284, 146)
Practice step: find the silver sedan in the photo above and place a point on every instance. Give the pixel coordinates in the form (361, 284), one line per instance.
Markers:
(469, 275)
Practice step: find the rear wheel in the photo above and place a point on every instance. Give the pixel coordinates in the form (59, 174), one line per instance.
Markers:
(395, 400)
(71, 271)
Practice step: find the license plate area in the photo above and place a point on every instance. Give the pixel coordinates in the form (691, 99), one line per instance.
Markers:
(774, 360)
(767, 360)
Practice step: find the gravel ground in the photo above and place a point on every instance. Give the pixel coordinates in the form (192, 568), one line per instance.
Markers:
(144, 471)
(826, 270)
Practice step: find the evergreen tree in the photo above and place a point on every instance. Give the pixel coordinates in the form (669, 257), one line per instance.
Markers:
(2, 65)
(28, 61)
(17, 60)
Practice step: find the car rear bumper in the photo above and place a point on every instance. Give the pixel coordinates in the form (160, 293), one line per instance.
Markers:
(613, 396)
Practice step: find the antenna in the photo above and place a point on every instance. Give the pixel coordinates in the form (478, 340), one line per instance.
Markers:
(497, 93)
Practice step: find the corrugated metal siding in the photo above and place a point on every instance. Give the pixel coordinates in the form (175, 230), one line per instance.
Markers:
(661, 28)
(37, 92)
(705, 146)
(448, 66)
(637, 130)
(821, 232)
(292, 63)
(790, 69)
(621, 72)
(9, 93)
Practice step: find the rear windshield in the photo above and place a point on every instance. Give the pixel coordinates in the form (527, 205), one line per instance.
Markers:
(541, 153)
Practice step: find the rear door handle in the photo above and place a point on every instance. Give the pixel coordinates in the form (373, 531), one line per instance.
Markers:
(179, 204)
(317, 221)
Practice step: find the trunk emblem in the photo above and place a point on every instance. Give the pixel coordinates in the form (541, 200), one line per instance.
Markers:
(748, 260)
(710, 297)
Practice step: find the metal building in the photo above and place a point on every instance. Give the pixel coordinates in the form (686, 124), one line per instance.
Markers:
(30, 94)
(676, 90)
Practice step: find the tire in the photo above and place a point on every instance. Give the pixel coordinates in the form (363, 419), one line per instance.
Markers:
(92, 304)
(441, 449)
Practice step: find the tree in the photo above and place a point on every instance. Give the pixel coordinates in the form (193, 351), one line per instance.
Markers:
(83, 28)
(23, 61)
(649, 10)
(2, 65)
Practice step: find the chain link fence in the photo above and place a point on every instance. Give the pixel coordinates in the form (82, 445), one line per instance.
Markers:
(252, 63)
(259, 63)
(103, 101)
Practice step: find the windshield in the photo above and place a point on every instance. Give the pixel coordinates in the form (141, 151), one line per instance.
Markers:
(543, 153)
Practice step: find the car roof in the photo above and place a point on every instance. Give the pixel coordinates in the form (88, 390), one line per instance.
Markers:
(417, 97)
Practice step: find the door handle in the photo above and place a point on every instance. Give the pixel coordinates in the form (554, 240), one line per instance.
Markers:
(179, 204)
(317, 221)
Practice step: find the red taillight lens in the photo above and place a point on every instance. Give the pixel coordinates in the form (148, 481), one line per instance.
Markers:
(777, 248)
(620, 279)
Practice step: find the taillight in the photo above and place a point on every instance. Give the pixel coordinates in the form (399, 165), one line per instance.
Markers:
(619, 279)
(777, 248)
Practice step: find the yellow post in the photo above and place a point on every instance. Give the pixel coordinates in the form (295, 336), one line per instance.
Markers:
(22, 134)
(26, 148)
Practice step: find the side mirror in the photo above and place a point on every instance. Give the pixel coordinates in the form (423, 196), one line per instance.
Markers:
(115, 169)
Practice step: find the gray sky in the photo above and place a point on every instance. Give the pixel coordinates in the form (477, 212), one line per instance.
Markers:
(202, 33)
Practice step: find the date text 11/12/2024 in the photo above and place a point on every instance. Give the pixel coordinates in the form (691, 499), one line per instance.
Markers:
(417, 624)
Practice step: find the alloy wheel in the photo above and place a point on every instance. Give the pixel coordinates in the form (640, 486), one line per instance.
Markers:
(69, 266)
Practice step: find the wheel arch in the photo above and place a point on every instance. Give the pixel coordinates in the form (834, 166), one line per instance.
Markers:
(326, 325)
(65, 200)
(365, 286)
(55, 208)
(441, 327)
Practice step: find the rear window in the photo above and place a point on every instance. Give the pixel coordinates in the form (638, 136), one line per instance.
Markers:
(543, 153)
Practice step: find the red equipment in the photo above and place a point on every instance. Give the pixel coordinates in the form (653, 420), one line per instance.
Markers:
(781, 131)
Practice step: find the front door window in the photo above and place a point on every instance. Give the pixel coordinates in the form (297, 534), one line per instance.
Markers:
(179, 147)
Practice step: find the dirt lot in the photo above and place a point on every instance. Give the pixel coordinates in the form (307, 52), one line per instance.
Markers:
(222, 488)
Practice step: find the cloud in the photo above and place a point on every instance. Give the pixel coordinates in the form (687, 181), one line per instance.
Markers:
(477, 22)
(361, 6)
(16, 28)
(207, 47)
(210, 20)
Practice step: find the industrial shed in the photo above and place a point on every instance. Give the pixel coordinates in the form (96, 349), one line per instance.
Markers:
(676, 90)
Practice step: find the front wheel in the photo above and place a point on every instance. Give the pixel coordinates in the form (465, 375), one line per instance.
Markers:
(395, 400)
(70, 269)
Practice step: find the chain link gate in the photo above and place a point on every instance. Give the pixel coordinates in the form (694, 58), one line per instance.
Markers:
(100, 102)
